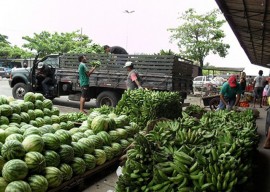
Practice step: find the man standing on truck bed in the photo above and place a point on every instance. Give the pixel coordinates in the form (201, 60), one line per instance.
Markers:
(133, 79)
(114, 49)
(84, 81)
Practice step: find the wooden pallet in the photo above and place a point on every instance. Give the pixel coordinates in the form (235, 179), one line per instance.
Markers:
(78, 183)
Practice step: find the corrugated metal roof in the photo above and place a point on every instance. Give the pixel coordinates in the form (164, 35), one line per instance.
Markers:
(250, 22)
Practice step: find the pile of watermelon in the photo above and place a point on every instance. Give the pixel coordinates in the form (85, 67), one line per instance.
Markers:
(41, 148)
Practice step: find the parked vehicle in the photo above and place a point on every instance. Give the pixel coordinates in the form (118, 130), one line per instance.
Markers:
(107, 83)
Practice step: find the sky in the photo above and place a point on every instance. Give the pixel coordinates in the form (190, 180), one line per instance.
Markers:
(105, 22)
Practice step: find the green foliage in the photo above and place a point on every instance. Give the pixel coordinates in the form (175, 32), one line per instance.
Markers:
(200, 35)
(47, 43)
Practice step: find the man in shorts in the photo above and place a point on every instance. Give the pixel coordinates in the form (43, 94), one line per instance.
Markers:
(258, 84)
(84, 74)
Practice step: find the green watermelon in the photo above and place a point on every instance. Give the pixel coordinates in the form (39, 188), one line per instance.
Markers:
(122, 133)
(78, 149)
(6, 110)
(88, 132)
(38, 183)
(39, 113)
(64, 136)
(47, 112)
(12, 150)
(78, 166)
(32, 114)
(15, 118)
(38, 104)
(111, 124)
(54, 176)
(77, 136)
(74, 130)
(18, 186)
(98, 142)
(99, 123)
(51, 141)
(3, 100)
(63, 125)
(15, 107)
(70, 125)
(47, 120)
(24, 106)
(34, 123)
(105, 136)
(3, 184)
(100, 156)
(55, 111)
(115, 135)
(35, 162)
(109, 152)
(3, 135)
(55, 119)
(52, 158)
(63, 117)
(39, 96)
(33, 143)
(15, 169)
(29, 96)
(56, 126)
(91, 116)
(87, 144)
(66, 153)
(12, 129)
(25, 117)
(90, 161)
(15, 136)
(31, 131)
(124, 143)
(117, 149)
(4, 120)
(40, 122)
(67, 171)
(47, 103)
(30, 105)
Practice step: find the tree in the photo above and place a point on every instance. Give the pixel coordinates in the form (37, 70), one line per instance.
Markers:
(200, 35)
(46, 43)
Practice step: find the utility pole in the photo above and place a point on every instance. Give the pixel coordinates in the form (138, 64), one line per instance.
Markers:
(128, 12)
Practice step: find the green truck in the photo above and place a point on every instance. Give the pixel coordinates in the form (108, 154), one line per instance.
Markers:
(108, 82)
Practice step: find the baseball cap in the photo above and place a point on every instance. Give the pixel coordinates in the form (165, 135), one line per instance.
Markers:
(128, 64)
(232, 81)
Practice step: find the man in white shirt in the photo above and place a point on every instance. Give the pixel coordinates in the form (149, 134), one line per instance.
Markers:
(258, 85)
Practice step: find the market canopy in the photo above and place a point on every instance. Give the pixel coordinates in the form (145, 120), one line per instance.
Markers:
(224, 69)
(250, 22)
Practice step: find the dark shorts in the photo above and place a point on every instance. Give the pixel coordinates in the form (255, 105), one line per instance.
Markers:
(85, 92)
(258, 91)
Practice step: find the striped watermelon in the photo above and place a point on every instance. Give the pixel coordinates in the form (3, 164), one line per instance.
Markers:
(4, 120)
(29, 96)
(90, 161)
(31, 114)
(89, 132)
(3, 135)
(47, 103)
(77, 136)
(109, 152)
(38, 183)
(54, 176)
(105, 136)
(24, 107)
(64, 136)
(78, 149)
(47, 120)
(98, 142)
(33, 143)
(47, 112)
(38, 104)
(31, 131)
(15, 136)
(39, 96)
(30, 105)
(40, 121)
(55, 111)
(51, 141)
(117, 149)
(25, 117)
(18, 186)
(66, 153)
(12, 150)
(6, 110)
(39, 113)
(63, 117)
(15, 107)
(87, 144)
(15, 118)
(78, 166)
(52, 158)
(2, 163)
(35, 161)
(3, 184)
(100, 156)
(67, 171)
(14, 170)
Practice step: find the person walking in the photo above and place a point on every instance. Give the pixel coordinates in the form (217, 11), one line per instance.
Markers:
(84, 74)
(243, 83)
(229, 94)
(133, 78)
(258, 85)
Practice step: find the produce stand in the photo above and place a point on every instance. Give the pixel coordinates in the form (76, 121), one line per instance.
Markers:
(80, 182)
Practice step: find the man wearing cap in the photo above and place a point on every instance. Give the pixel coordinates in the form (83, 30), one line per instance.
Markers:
(230, 94)
(133, 79)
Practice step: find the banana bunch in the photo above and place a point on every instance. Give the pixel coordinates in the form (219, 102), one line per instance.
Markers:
(189, 136)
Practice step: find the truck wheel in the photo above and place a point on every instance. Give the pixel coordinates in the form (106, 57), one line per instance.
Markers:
(107, 98)
(19, 90)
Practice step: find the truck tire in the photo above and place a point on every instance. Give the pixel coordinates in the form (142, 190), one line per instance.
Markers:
(19, 90)
(107, 98)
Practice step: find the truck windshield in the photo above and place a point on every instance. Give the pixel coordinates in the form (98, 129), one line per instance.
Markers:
(53, 61)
